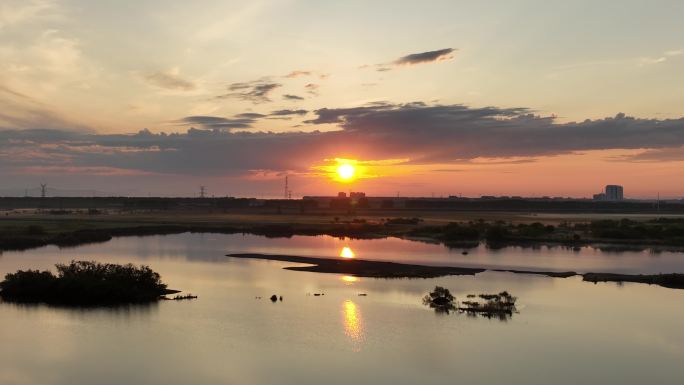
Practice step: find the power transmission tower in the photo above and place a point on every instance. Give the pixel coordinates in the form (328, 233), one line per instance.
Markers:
(287, 188)
(43, 190)
(203, 191)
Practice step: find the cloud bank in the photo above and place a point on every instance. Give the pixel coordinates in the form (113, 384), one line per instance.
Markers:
(418, 132)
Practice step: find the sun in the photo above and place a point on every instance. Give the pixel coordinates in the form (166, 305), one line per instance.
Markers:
(347, 253)
(346, 171)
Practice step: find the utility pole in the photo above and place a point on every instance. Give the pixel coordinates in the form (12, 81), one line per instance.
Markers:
(43, 190)
(203, 191)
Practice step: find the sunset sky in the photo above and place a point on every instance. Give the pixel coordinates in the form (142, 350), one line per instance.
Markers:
(449, 97)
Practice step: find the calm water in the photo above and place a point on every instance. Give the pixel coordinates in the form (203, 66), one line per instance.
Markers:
(566, 332)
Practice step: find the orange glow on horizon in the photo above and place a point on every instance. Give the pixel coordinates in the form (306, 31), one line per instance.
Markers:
(345, 170)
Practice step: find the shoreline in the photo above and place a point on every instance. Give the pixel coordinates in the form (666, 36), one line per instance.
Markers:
(87, 233)
(377, 269)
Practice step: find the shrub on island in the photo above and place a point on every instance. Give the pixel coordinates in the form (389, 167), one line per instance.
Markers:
(84, 283)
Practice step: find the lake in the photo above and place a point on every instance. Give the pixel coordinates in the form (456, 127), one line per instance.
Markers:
(566, 331)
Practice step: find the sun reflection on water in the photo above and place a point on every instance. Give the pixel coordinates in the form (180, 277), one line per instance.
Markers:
(349, 279)
(353, 323)
(346, 252)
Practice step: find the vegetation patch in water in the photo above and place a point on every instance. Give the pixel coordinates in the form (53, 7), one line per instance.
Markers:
(501, 305)
(85, 283)
(441, 300)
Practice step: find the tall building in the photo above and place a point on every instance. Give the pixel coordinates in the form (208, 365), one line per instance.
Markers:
(614, 193)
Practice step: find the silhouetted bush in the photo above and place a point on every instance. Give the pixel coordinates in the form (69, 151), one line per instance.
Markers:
(456, 232)
(84, 283)
(497, 234)
(35, 230)
(534, 230)
(501, 306)
(441, 300)
(403, 221)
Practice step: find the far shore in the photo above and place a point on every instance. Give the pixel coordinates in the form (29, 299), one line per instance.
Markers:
(380, 269)
(456, 230)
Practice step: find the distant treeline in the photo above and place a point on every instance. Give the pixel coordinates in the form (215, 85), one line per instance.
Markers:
(58, 205)
(543, 205)
(65, 203)
(665, 231)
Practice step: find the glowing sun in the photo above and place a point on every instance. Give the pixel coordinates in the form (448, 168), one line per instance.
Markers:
(346, 171)
(347, 252)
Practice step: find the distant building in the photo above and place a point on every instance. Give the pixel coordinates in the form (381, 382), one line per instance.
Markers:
(341, 194)
(614, 193)
(357, 195)
(600, 197)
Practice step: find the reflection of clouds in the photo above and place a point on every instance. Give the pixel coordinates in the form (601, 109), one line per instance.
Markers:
(353, 323)
(347, 252)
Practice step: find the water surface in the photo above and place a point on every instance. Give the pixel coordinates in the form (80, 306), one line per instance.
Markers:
(566, 332)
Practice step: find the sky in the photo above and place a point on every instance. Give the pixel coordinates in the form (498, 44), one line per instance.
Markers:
(430, 98)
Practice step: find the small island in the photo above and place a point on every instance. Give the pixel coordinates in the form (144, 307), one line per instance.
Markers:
(380, 269)
(85, 283)
(501, 305)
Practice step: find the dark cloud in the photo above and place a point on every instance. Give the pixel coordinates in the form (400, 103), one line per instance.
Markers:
(312, 88)
(422, 133)
(415, 58)
(292, 97)
(250, 115)
(289, 112)
(215, 122)
(436, 133)
(258, 91)
(169, 81)
(425, 57)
